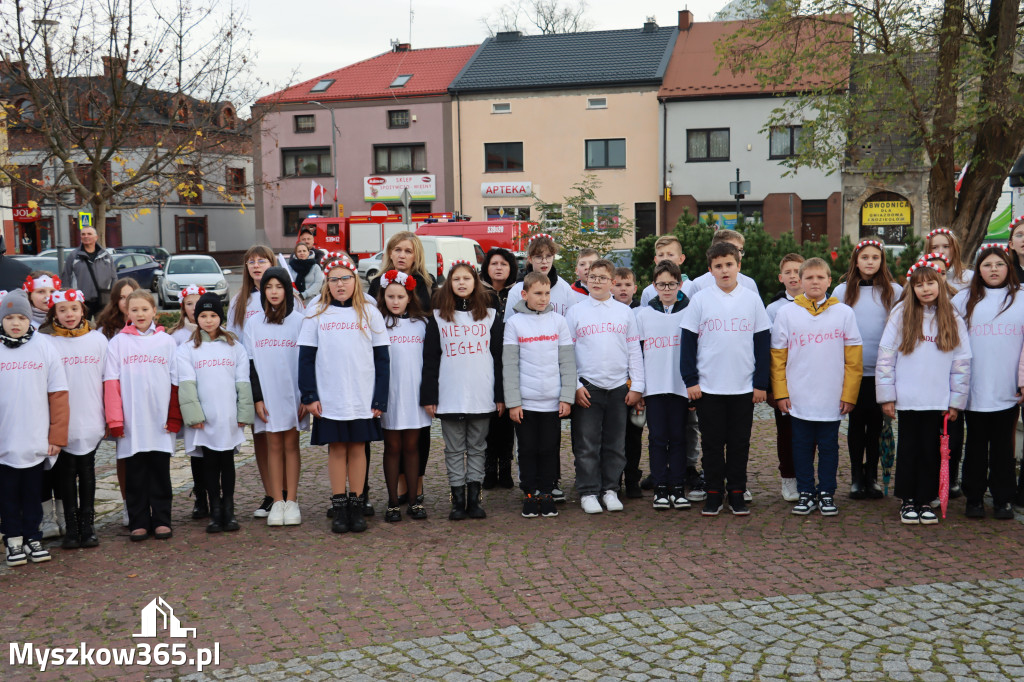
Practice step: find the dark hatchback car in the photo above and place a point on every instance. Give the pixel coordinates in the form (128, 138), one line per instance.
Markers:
(139, 267)
(155, 252)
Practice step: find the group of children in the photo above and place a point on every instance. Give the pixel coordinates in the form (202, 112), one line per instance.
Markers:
(691, 355)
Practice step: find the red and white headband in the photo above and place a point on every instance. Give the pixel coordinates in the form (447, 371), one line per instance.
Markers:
(41, 282)
(1002, 247)
(392, 276)
(332, 256)
(342, 262)
(939, 230)
(1018, 221)
(869, 242)
(460, 261)
(922, 263)
(935, 256)
(3, 292)
(68, 296)
(540, 235)
(190, 290)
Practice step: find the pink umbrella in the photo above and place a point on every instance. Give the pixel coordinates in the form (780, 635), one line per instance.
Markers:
(944, 466)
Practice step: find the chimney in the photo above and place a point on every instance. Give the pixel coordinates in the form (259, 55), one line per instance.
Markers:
(113, 68)
(650, 26)
(403, 47)
(507, 36)
(685, 20)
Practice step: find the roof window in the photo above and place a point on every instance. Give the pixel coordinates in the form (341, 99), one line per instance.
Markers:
(400, 81)
(322, 85)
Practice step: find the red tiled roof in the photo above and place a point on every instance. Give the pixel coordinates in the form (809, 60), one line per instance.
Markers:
(692, 68)
(432, 70)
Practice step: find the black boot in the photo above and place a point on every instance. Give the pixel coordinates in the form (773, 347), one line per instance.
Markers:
(356, 513)
(473, 497)
(872, 489)
(458, 511)
(366, 506)
(505, 472)
(490, 469)
(216, 515)
(1019, 497)
(72, 537)
(227, 512)
(339, 517)
(86, 531)
(857, 491)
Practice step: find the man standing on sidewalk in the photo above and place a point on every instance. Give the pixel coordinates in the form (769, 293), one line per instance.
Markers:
(90, 269)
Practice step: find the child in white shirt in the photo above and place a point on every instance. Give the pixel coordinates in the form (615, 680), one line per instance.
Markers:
(610, 368)
(724, 361)
(216, 404)
(539, 370)
(34, 423)
(665, 395)
(83, 351)
(140, 396)
(707, 280)
(816, 372)
(923, 372)
(789, 276)
(540, 256)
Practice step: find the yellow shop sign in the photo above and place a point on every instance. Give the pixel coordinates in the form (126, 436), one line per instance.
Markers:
(880, 213)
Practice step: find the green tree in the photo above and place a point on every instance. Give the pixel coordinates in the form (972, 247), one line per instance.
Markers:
(938, 77)
(580, 222)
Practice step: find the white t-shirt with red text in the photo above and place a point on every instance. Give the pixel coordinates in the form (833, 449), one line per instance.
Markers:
(28, 374)
(607, 342)
(274, 349)
(84, 358)
(725, 324)
(466, 376)
(404, 409)
(216, 367)
(145, 365)
(660, 334)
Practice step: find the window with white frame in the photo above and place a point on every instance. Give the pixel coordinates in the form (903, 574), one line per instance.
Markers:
(501, 108)
(597, 103)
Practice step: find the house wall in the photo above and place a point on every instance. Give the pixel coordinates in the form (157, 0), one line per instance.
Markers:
(360, 126)
(553, 127)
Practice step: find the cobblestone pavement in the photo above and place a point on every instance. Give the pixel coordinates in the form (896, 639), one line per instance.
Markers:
(641, 592)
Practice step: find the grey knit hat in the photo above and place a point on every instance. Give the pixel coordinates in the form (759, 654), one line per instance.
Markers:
(15, 303)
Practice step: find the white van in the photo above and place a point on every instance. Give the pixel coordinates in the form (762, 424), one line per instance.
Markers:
(440, 252)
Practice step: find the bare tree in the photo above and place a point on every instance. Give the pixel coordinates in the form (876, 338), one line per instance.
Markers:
(115, 104)
(539, 16)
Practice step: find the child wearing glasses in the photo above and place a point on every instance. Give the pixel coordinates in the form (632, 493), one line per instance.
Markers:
(665, 394)
(610, 373)
(540, 257)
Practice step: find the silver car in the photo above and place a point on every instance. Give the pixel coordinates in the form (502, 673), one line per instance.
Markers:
(370, 267)
(181, 271)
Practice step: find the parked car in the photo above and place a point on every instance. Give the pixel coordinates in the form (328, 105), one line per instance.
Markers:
(370, 267)
(157, 253)
(623, 258)
(181, 271)
(440, 252)
(139, 267)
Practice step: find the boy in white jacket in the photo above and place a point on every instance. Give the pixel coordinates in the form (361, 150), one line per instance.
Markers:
(536, 395)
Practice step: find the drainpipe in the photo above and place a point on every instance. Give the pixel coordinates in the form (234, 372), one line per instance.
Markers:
(462, 180)
(664, 166)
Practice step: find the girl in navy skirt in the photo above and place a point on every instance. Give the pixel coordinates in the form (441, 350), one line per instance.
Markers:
(344, 370)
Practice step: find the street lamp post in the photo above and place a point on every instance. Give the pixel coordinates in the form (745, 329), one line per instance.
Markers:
(334, 153)
(739, 189)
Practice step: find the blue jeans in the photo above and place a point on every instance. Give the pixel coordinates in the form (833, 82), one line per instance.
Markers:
(807, 435)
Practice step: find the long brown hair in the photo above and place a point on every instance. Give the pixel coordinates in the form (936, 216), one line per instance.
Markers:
(183, 317)
(977, 289)
(413, 310)
(478, 298)
(955, 258)
(947, 337)
(882, 281)
(419, 261)
(222, 333)
(359, 302)
(110, 321)
(241, 299)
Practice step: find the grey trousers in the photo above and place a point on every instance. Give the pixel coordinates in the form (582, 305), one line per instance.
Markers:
(692, 440)
(599, 439)
(465, 444)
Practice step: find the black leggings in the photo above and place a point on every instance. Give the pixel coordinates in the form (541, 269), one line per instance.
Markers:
(75, 480)
(401, 451)
(990, 462)
(423, 446)
(219, 470)
(865, 430)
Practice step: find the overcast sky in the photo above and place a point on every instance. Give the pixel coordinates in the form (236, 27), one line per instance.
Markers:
(300, 40)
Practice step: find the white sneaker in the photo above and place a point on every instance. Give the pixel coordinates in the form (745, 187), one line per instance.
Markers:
(747, 497)
(49, 526)
(590, 504)
(276, 515)
(789, 491)
(292, 515)
(611, 501)
(124, 514)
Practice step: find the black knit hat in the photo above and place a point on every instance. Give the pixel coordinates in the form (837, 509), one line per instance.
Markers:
(210, 302)
(282, 276)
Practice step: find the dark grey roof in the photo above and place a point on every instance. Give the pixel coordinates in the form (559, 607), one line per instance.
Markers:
(623, 57)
